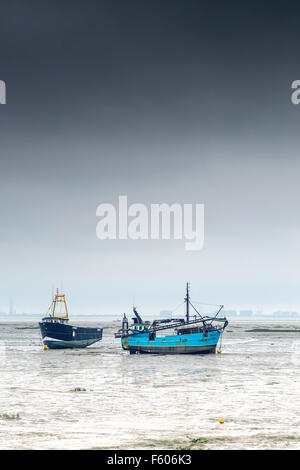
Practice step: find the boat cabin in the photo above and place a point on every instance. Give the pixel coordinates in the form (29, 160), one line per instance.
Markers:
(190, 329)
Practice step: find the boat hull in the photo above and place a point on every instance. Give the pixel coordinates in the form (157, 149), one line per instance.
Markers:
(54, 344)
(196, 343)
(61, 336)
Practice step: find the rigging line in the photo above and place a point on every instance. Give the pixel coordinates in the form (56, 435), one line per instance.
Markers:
(221, 306)
(174, 309)
(196, 310)
(205, 316)
(204, 303)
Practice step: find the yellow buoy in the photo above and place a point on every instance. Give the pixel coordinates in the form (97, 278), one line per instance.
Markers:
(45, 347)
(221, 420)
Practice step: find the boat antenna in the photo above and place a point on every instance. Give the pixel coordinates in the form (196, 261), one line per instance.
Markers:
(187, 300)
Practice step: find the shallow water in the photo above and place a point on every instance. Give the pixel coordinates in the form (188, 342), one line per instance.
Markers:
(141, 401)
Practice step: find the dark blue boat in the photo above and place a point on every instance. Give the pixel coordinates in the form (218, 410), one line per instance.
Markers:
(58, 334)
(191, 335)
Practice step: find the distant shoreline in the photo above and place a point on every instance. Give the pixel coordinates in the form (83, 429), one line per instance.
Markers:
(116, 319)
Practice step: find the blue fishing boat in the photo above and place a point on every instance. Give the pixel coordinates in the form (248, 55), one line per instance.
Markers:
(194, 334)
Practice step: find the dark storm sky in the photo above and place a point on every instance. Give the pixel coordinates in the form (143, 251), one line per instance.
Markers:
(170, 101)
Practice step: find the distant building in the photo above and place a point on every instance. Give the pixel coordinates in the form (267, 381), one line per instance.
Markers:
(280, 314)
(246, 313)
(229, 313)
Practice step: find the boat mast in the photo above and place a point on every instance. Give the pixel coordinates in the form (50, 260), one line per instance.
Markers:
(59, 298)
(187, 300)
